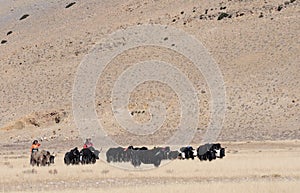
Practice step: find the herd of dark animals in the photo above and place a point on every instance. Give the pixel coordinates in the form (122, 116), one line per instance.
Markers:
(85, 156)
(154, 156)
(135, 155)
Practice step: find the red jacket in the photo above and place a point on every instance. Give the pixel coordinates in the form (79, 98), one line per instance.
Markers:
(35, 147)
(87, 145)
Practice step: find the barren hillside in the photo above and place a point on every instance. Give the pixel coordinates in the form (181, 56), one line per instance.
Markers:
(255, 44)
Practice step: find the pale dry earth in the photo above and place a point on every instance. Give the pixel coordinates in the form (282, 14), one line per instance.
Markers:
(256, 48)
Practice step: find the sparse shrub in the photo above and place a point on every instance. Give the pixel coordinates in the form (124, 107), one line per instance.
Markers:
(222, 16)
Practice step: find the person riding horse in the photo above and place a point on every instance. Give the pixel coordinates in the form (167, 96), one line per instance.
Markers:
(35, 146)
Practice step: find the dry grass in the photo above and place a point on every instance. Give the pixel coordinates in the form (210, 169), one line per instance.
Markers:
(214, 187)
(267, 169)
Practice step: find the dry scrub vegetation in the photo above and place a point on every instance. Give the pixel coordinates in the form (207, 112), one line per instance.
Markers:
(248, 167)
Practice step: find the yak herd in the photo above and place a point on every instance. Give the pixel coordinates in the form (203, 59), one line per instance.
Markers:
(134, 155)
(85, 156)
(154, 156)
